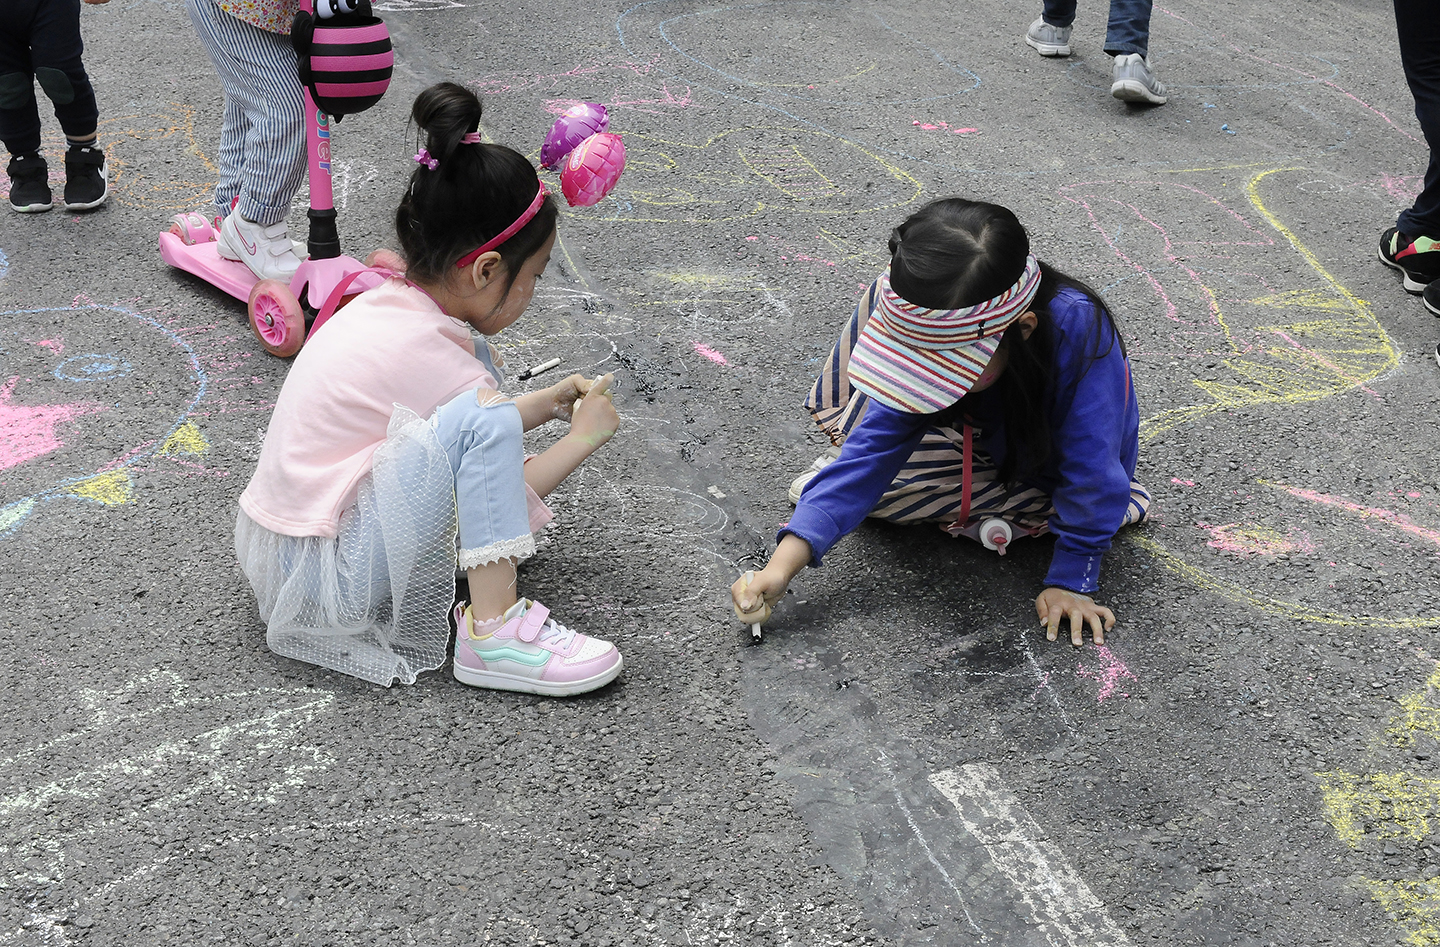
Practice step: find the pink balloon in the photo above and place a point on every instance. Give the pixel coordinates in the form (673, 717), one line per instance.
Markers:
(577, 124)
(592, 169)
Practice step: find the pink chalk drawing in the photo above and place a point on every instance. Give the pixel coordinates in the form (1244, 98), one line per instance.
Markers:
(29, 431)
(1183, 483)
(1402, 187)
(710, 353)
(1389, 517)
(943, 126)
(55, 345)
(1109, 675)
(1250, 540)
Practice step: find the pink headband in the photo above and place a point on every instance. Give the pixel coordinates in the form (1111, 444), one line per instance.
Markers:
(510, 231)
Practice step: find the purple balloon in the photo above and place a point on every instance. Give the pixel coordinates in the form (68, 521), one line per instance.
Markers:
(577, 124)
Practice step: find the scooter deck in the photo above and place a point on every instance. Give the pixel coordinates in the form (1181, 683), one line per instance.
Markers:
(204, 260)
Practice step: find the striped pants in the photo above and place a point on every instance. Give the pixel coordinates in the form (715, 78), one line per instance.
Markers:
(262, 142)
(947, 480)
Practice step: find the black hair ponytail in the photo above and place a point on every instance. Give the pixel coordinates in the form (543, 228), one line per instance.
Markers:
(473, 193)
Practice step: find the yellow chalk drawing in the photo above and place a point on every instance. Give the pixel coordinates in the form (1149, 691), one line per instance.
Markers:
(1396, 805)
(1340, 347)
(731, 160)
(186, 439)
(817, 82)
(142, 185)
(1414, 904)
(1336, 346)
(1418, 716)
(791, 173)
(111, 489)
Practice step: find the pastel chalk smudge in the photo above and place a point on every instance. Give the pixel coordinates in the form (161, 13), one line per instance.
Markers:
(55, 345)
(1183, 483)
(945, 126)
(28, 431)
(710, 353)
(1108, 675)
(1244, 539)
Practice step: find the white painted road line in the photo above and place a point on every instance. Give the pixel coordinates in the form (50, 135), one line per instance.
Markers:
(1063, 906)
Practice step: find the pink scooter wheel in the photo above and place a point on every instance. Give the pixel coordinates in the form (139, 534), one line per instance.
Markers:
(276, 318)
(191, 228)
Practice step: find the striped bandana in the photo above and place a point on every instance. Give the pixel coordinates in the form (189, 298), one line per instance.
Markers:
(922, 360)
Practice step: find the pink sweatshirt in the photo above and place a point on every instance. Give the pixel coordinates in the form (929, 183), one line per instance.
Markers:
(391, 345)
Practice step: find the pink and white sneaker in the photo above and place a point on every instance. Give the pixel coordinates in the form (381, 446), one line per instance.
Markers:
(526, 650)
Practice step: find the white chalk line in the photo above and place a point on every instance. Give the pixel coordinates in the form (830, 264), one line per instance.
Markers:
(1063, 907)
(929, 853)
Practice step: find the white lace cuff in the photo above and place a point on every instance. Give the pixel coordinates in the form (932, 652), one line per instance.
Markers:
(521, 547)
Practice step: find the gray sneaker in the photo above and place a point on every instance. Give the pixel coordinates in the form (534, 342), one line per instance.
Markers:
(1048, 40)
(1132, 81)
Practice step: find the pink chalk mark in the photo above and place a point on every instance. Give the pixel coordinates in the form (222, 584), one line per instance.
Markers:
(963, 131)
(1404, 187)
(56, 345)
(1187, 483)
(1252, 541)
(1398, 520)
(28, 431)
(1109, 675)
(710, 353)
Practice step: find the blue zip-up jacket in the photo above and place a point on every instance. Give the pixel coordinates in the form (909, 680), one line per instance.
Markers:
(1095, 431)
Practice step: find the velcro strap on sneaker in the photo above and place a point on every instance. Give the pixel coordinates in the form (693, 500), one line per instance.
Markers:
(533, 621)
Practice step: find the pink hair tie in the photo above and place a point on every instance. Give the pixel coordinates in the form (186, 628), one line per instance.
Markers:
(472, 138)
(424, 158)
(510, 231)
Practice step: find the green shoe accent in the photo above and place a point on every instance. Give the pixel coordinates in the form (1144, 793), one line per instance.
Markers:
(510, 654)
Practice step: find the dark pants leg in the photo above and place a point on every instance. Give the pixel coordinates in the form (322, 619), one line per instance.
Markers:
(1129, 29)
(1059, 12)
(1418, 23)
(41, 43)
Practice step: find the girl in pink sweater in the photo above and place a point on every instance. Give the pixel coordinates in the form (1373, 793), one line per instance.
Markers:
(390, 433)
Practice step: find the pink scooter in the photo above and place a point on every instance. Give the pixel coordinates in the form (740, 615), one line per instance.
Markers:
(277, 315)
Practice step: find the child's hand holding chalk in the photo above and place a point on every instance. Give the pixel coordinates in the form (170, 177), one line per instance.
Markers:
(750, 607)
(593, 416)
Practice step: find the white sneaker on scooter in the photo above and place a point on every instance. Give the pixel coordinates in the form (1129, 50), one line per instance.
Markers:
(267, 251)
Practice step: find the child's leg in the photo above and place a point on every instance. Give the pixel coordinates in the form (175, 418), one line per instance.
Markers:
(486, 447)
(19, 117)
(234, 129)
(257, 72)
(55, 48)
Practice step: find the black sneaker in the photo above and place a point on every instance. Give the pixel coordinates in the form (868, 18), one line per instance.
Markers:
(1431, 297)
(29, 183)
(1417, 259)
(85, 185)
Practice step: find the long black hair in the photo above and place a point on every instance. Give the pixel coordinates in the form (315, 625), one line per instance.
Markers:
(955, 253)
(473, 193)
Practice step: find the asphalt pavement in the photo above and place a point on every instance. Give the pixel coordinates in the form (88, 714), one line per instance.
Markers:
(904, 759)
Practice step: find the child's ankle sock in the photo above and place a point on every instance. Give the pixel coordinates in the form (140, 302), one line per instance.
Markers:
(81, 142)
(483, 627)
